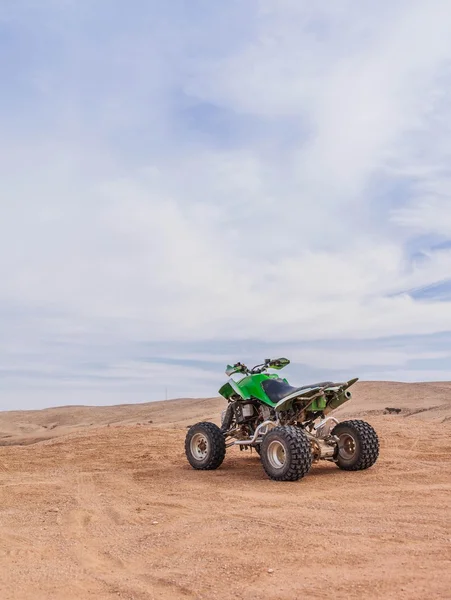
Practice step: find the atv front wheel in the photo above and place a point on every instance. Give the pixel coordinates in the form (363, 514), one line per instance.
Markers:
(286, 453)
(358, 445)
(205, 446)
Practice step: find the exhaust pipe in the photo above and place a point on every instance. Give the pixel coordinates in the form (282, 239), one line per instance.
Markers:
(338, 401)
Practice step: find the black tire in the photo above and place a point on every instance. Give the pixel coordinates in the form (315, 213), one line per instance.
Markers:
(258, 449)
(358, 448)
(205, 446)
(286, 453)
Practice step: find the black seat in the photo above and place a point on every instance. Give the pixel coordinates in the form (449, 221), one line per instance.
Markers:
(278, 389)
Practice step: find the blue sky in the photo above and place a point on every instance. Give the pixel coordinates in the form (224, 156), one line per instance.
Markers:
(185, 184)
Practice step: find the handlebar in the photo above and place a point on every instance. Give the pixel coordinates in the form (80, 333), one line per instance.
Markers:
(259, 368)
(241, 366)
(276, 364)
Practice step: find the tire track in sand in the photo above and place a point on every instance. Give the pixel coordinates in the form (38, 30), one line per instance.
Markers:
(86, 526)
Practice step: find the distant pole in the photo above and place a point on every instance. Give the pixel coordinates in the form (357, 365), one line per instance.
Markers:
(166, 393)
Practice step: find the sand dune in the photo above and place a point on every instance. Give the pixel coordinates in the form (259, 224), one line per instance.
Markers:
(25, 427)
(28, 427)
(109, 508)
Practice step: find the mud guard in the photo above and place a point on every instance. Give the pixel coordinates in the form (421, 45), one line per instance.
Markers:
(285, 402)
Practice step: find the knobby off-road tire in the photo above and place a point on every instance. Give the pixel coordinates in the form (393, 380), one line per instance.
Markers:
(205, 446)
(358, 446)
(286, 453)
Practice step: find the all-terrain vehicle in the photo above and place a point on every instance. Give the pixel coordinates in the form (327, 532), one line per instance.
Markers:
(288, 426)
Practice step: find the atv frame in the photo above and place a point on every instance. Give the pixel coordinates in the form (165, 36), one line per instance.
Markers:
(289, 427)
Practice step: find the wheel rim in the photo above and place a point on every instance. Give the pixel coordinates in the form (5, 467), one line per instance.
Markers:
(199, 446)
(347, 446)
(276, 454)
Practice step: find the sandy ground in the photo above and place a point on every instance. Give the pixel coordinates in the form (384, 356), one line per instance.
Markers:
(114, 511)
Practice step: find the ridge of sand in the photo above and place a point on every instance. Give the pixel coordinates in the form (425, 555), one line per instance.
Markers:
(30, 426)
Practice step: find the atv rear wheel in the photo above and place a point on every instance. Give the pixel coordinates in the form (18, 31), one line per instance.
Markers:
(286, 453)
(358, 445)
(205, 446)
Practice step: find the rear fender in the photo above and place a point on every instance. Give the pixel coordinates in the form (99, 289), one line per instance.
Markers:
(286, 402)
(316, 394)
(350, 382)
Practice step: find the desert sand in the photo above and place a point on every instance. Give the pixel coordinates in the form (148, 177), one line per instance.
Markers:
(100, 503)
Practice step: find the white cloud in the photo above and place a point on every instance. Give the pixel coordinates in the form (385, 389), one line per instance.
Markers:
(128, 222)
(410, 375)
(428, 215)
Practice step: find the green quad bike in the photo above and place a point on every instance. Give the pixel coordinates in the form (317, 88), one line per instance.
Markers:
(287, 426)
